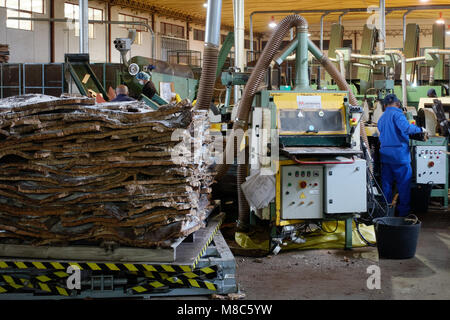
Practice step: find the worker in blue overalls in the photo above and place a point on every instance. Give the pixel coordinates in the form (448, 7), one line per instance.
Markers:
(394, 131)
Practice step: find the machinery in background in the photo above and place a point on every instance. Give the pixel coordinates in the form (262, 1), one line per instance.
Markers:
(430, 157)
(168, 79)
(87, 83)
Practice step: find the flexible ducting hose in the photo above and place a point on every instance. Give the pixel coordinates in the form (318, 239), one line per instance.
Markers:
(208, 77)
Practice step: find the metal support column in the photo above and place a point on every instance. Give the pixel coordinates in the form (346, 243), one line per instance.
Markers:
(84, 26)
(383, 24)
(239, 48)
(341, 15)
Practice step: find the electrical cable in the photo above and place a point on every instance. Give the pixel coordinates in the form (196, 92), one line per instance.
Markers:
(362, 237)
(321, 228)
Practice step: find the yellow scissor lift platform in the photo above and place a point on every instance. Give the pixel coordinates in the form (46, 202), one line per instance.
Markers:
(203, 265)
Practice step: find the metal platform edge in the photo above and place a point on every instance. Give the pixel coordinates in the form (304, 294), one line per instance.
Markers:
(217, 253)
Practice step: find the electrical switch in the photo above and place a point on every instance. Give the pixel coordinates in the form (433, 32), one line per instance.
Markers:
(302, 184)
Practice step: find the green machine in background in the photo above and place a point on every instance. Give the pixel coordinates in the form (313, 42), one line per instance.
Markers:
(180, 77)
(367, 47)
(336, 41)
(439, 43)
(82, 74)
(410, 48)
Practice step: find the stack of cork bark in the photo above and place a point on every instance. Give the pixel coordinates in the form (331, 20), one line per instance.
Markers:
(4, 53)
(72, 171)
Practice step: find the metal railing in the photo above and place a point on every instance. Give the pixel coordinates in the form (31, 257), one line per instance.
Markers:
(44, 83)
(12, 78)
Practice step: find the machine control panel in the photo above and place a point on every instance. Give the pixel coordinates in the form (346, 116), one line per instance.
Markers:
(431, 164)
(301, 192)
(345, 187)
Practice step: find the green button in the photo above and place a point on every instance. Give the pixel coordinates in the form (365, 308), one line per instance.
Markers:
(289, 184)
(290, 174)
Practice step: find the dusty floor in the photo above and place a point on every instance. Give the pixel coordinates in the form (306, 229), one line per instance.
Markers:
(341, 274)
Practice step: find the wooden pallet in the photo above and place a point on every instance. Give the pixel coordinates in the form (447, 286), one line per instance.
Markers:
(183, 246)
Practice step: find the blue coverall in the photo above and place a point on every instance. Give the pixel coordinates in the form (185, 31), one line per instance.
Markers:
(394, 131)
(123, 98)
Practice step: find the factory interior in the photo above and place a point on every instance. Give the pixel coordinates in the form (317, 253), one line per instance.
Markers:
(224, 150)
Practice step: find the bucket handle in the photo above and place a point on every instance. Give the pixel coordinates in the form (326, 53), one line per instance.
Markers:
(377, 223)
(412, 218)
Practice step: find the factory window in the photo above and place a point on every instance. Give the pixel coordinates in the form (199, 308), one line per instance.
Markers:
(172, 30)
(348, 44)
(139, 28)
(71, 11)
(199, 35)
(138, 39)
(129, 18)
(21, 9)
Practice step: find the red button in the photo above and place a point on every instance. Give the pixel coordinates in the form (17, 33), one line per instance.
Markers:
(430, 164)
(303, 184)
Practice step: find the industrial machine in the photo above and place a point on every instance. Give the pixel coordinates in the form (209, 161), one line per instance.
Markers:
(82, 74)
(308, 141)
(174, 78)
(320, 174)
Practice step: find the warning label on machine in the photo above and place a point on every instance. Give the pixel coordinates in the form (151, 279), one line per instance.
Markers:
(309, 102)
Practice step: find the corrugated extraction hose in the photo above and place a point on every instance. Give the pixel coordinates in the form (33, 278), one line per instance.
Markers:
(208, 77)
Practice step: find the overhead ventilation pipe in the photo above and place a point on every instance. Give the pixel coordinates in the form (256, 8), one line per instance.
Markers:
(210, 54)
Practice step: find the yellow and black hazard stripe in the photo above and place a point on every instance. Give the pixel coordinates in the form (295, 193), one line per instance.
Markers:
(207, 272)
(173, 282)
(17, 284)
(92, 266)
(51, 289)
(52, 276)
(208, 242)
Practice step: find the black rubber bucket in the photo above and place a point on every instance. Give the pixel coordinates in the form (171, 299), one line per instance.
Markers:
(397, 236)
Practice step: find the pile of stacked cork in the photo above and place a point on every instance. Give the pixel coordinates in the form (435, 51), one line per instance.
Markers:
(4, 53)
(73, 171)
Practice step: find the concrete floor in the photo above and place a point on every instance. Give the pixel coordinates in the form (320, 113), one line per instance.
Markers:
(341, 274)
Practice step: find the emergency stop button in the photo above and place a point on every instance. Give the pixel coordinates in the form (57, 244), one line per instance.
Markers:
(302, 184)
(430, 164)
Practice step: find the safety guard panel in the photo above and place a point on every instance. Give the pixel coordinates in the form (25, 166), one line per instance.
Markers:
(431, 162)
(301, 192)
(311, 113)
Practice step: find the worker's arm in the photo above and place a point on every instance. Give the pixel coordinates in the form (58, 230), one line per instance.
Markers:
(405, 126)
